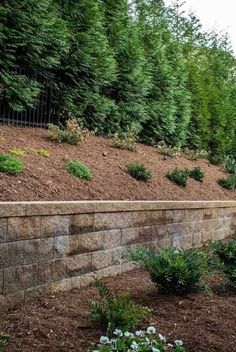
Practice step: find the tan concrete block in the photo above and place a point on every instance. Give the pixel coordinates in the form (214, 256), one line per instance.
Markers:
(52, 270)
(23, 228)
(119, 255)
(82, 223)
(85, 243)
(102, 259)
(119, 220)
(145, 218)
(12, 209)
(3, 229)
(54, 226)
(197, 239)
(79, 265)
(38, 250)
(1, 281)
(111, 239)
(61, 246)
(11, 254)
(129, 236)
(20, 278)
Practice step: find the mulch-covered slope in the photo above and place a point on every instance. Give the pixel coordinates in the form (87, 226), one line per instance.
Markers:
(61, 323)
(47, 179)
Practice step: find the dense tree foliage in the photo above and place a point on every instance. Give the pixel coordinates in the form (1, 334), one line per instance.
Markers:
(116, 64)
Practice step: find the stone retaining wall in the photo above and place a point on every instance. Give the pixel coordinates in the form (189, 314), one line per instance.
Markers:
(52, 246)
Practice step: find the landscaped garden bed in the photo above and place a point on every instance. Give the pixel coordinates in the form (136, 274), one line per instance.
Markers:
(46, 174)
(205, 323)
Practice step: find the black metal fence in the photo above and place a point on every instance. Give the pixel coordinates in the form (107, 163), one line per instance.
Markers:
(40, 115)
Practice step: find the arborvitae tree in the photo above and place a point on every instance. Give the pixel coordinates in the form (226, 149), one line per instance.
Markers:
(89, 68)
(132, 82)
(32, 39)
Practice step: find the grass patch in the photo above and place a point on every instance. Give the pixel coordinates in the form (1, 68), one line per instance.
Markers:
(9, 164)
(78, 169)
(139, 172)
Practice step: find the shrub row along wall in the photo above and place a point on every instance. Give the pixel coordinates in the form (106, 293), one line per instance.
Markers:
(46, 247)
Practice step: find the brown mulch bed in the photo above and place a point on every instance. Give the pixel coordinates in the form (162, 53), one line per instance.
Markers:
(47, 179)
(61, 323)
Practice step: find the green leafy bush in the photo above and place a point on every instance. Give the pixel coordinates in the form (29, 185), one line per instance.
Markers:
(226, 253)
(175, 271)
(10, 164)
(4, 338)
(73, 133)
(167, 150)
(215, 159)
(115, 310)
(230, 164)
(78, 169)
(195, 154)
(179, 176)
(142, 341)
(125, 140)
(197, 174)
(139, 172)
(228, 182)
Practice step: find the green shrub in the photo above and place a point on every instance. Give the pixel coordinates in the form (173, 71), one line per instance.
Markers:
(228, 182)
(125, 140)
(142, 341)
(115, 310)
(10, 164)
(167, 150)
(73, 133)
(139, 172)
(226, 253)
(175, 271)
(78, 169)
(195, 154)
(179, 176)
(4, 338)
(197, 174)
(230, 164)
(215, 159)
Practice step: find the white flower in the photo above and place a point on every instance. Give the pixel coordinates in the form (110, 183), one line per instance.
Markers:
(104, 340)
(118, 332)
(151, 330)
(140, 333)
(128, 334)
(178, 343)
(155, 349)
(170, 345)
(134, 346)
(161, 337)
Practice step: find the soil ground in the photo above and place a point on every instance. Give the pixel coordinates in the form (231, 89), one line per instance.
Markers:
(61, 322)
(47, 179)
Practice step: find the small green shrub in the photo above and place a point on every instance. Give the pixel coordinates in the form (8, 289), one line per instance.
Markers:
(230, 164)
(179, 176)
(175, 271)
(125, 140)
(115, 310)
(10, 164)
(73, 133)
(195, 154)
(78, 169)
(226, 253)
(215, 159)
(4, 338)
(197, 174)
(139, 172)
(142, 341)
(228, 182)
(167, 150)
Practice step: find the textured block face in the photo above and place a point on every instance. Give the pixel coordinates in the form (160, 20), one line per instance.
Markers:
(20, 278)
(11, 254)
(3, 229)
(1, 282)
(53, 226)
(51, 271)
(102, 259)
(82, 223)
(106, 221)
(79, 264)
(143, 218)
(38, 250)
(23, 228)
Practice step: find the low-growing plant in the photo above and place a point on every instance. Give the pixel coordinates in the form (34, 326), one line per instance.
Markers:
(139, 172)
(4, 338)
(73, 133)
(179, 176)
(167, 150)
(17, 152)
(175, 271)
(9, 164)
(230, 164)
(42, 152)
(228, 182)
(115, 310)
(142, 341)
(197, 174)
(215, 159)
(195, 154)
(79, 169)
(125, 140)
(226, 253)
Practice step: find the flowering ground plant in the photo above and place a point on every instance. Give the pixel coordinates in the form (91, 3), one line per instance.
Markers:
(140, 341)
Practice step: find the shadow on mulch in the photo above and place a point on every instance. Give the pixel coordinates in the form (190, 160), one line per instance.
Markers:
(60, 322)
